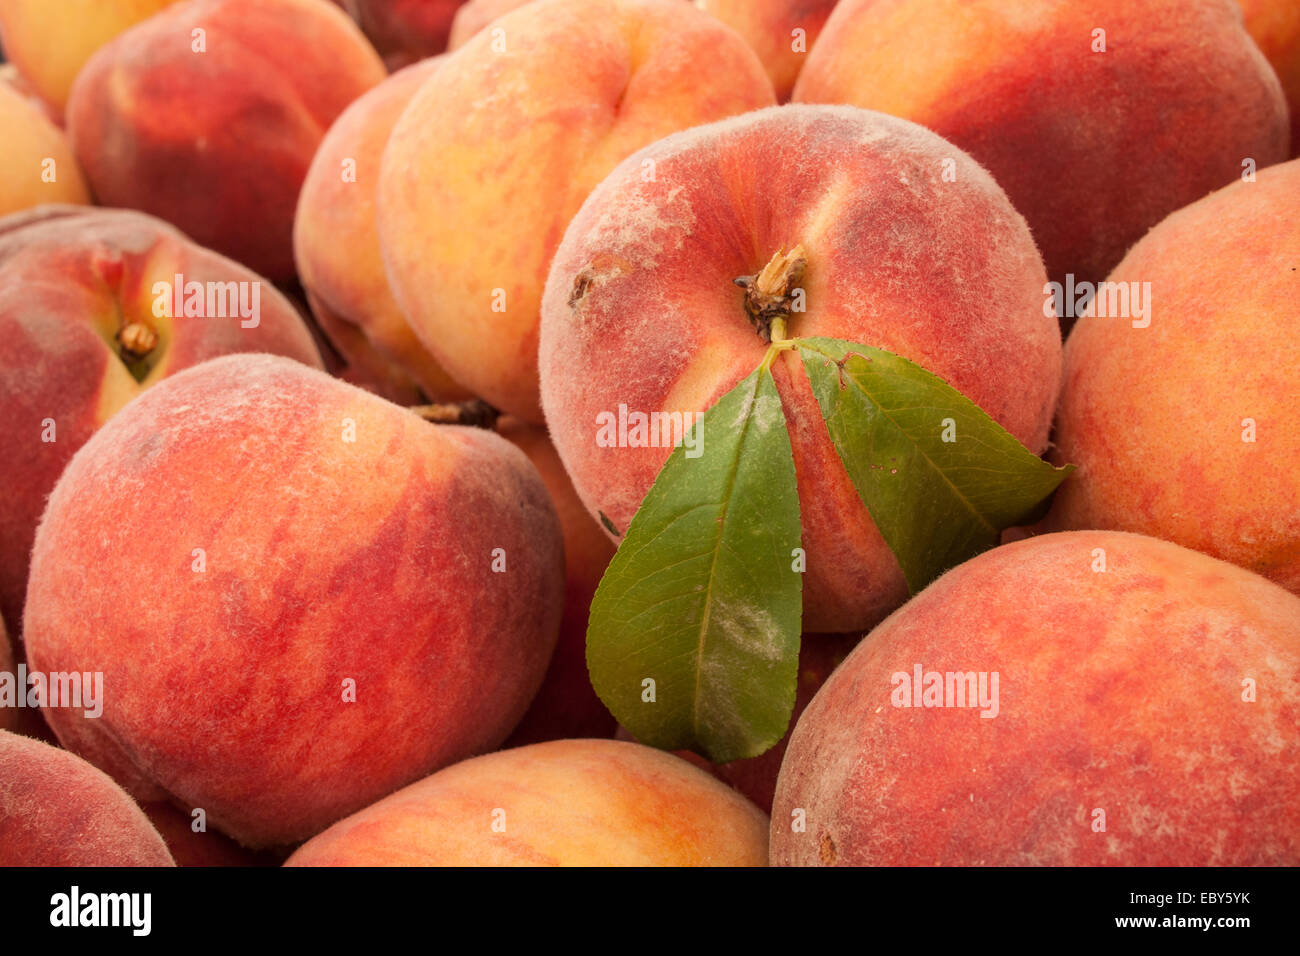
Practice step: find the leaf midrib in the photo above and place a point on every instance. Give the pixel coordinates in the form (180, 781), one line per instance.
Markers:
(713, 565)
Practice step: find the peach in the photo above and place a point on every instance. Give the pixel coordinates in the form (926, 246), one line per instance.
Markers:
(75, 285)
(208, 115)
(336, 245)
(909, 246)
(1093, 147)
(473, 16)
(340, 598)
(566, 705)
(780, 31)
(1275, 26)
(1141, 706)
(506, 147)
(37, 165)
(50, 40)
(1182, 423)
(58, 810)
(562, 803)
(404, 31)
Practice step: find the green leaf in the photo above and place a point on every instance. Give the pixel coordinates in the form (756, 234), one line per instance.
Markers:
(702, 597)
(937, 503)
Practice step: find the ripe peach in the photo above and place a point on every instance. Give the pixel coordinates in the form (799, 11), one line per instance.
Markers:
(562, 803)
(58, 810)
(208, 114)
(1094, 147)
(1275, 26)
(566, 705)
(780, 31)
(404, 31)
(37, 165)
(1141, 702)
(336, 245)
(641, 308)
(50, 40)
(343, 597)
(506, 146)
(1163, 446)
(73, 281)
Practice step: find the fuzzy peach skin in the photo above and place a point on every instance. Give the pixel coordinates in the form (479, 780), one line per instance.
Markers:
(566, 705)
(218, 142)
(50, 40)
(473, 16)
(336, 245)
(36, 165)
(1162, 692)
(58, 810)
(506, 147)
(70, 279)
(641, 308)
(1275, 26)
(562, 803)
(769, 27)
(1159, 438)
(342, 539)
(404, 31)
(1093, 148)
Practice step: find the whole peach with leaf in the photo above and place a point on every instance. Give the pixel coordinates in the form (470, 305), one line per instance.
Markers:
(909, 245)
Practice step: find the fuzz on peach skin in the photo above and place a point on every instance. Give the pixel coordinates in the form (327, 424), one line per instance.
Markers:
(58, 810)
(1183, 423)
(1145, 715)
(338, 599)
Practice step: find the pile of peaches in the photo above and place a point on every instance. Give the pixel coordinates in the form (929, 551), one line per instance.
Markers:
(308, 313)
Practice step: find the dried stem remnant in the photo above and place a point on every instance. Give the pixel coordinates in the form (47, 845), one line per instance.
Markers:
(137, 340)
(476, 414)
(770, 294)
